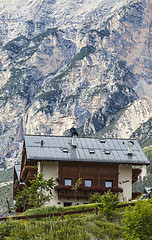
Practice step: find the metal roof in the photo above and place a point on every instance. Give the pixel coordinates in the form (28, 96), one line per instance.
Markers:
(59, 148)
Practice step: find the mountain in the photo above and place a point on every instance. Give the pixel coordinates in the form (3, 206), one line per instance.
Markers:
(73, 62)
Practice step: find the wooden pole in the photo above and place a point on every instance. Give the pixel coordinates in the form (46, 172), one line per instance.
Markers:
(96, 211)
(62, 216)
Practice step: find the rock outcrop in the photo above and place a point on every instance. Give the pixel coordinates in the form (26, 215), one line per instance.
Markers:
(75, 62)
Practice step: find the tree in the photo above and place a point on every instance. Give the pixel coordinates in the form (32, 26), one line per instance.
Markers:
(39, 192)
(76, 186)
(22, 199)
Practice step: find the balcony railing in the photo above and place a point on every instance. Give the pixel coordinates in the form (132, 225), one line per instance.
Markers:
(28, 173)
(83, 192)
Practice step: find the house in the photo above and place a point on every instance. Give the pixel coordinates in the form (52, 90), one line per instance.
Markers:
(101, 163)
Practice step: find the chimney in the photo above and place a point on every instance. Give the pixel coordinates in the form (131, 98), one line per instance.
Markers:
(130, 146)
(74, 137)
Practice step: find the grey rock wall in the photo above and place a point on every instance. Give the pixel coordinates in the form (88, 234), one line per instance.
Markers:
(63, 63)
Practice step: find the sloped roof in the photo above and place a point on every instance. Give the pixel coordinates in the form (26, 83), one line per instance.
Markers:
(59, 148)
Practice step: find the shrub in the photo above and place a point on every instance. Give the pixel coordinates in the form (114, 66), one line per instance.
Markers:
(95, 198)
(109, 202)
(137, 221)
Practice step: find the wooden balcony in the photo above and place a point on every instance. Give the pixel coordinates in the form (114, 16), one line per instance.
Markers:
(71, 194)
(83, 192)
(135, 174)
(28, 173)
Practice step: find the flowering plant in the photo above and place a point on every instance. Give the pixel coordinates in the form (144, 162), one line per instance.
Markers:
(91, 189)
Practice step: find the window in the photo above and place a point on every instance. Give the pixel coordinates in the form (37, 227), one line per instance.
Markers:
(68, 182)
(65, 150)
(67, 204)
(88, 183)
(106, 151)
(92, 151)
(108, 183)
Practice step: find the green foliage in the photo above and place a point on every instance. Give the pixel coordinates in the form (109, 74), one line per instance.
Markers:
(22, 198)
(82, 227)
(101, 229)
(76, 186)
(143, 134)
(40, 190)
(6, 196)
(37, 194)
(7, 175)
(84, 52)
(54, 209)
(137, 221)
(109, 202)
(95, 198)
(148, 152)
(147, 181)
(75, 229)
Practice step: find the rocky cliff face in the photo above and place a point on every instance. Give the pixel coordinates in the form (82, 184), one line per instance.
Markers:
(75, 62)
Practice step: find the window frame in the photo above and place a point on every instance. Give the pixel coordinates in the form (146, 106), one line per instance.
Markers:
(109, 181)
(68, 179)
(88, 180)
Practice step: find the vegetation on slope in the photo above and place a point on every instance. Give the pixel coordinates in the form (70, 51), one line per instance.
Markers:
(6, 195)
(130, 223)
(75, 228)
(147, 181)
(6, 176)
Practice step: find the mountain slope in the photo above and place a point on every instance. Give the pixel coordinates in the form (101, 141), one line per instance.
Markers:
(65, 63)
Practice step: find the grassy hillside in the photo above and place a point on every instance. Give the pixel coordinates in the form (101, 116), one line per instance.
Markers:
(6, 191)
(148, 152)
(6, 194)
(74, 227)
(131, 223)
(6, 176)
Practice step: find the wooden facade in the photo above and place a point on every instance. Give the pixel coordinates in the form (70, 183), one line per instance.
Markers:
(97, 172)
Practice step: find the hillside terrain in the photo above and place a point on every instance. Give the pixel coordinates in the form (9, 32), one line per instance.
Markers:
(75, 62)
(125, 223)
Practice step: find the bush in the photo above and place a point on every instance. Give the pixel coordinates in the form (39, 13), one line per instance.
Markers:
(95, 198)
(137, 221)
(54, 209)
(109, 202)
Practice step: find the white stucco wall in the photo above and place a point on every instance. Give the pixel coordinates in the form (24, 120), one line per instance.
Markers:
(143, 172)
(50, 169)
(71, 200)
(125, 181)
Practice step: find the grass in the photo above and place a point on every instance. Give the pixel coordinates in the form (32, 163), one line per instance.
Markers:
(6, 194)
(77, 227)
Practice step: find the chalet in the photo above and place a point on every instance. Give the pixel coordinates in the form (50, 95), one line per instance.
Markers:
(101, 163)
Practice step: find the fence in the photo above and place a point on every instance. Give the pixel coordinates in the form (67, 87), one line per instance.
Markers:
(62, 214)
